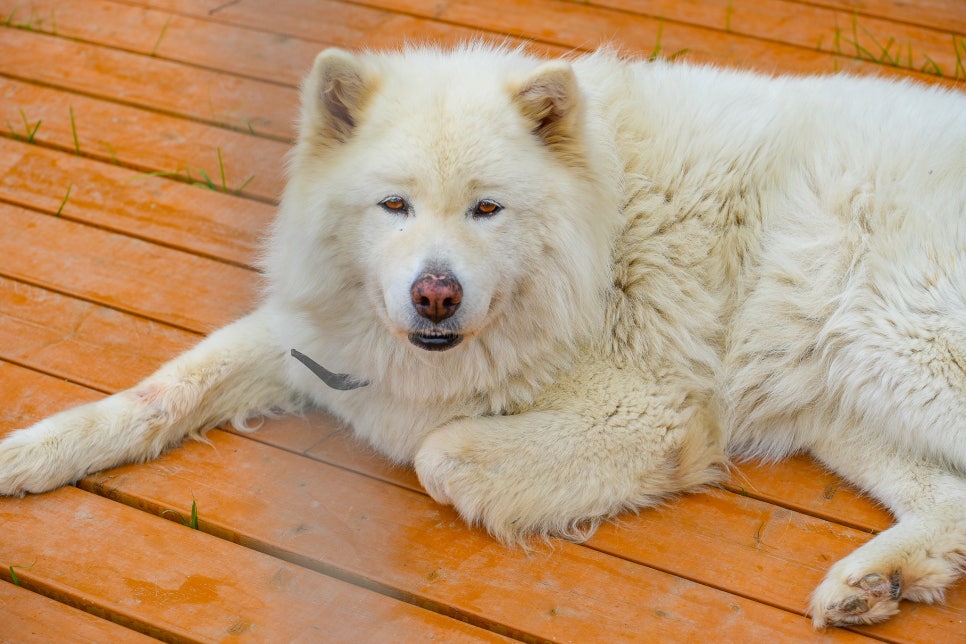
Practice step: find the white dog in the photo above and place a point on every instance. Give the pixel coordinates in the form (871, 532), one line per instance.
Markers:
(566, 289)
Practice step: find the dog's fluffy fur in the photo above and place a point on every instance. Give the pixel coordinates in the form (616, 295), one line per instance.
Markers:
(658, 267)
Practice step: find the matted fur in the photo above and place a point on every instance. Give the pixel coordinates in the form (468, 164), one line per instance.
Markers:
(687, 265)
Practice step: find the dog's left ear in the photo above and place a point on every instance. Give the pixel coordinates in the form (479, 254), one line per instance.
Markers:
(333, 97)
(550, 99)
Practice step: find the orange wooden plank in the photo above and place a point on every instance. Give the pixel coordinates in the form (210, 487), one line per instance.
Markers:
(172, 582)
(211, 97)
(940, 14)
(30, 618)
(333, 22)
(144, 140)
(89, 344)
(161, 283)
(865, 37)
(802, 484)
(29, 396)
(201, 221)
(582, 26)
(240, 50)
(378, 535)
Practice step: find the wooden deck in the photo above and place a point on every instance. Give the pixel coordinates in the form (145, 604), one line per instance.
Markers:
(140, 159)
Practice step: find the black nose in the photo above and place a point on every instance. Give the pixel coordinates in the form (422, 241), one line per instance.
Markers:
(436, 295)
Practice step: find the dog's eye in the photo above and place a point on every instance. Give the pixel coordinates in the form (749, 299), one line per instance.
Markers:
(395, 204)
(486, 208)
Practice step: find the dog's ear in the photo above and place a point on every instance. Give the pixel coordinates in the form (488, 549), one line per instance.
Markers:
(550, 100)
(333, 96)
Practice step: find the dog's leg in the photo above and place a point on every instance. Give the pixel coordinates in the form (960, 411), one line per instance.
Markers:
(917, 558)
(234, 373)
(603, 442)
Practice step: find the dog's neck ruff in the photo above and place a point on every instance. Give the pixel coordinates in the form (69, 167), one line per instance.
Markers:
(339, 381)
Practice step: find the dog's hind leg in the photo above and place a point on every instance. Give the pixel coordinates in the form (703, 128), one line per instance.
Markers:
(234, 373)
(916, 559)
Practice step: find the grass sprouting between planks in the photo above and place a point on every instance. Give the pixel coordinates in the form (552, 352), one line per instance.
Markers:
(64, 201)
(73, 130)
(157, 43)
(13, 575)
(193, 521)
(30, 131)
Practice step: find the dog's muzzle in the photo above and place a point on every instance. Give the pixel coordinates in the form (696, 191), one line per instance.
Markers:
(436, 296)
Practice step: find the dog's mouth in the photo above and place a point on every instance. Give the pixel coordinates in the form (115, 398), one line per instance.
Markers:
(435, 340)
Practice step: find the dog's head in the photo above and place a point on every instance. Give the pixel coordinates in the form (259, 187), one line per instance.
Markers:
(447, 198)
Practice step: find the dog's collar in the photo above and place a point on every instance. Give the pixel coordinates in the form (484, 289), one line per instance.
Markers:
(340, 381)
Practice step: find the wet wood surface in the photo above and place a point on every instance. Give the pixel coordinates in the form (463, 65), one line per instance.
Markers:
(142, 147)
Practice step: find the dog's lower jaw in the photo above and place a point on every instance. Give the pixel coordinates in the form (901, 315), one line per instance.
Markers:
(434, 341)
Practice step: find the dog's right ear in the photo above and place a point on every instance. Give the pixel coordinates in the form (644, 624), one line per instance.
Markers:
(333, 96)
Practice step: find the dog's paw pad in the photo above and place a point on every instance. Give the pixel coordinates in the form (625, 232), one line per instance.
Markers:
(865, 600)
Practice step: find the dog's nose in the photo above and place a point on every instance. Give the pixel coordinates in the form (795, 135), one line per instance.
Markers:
(436, 295)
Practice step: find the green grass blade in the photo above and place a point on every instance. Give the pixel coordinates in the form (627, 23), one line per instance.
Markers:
(931, 66)
(175, 513)
(244, 185)
(13, 132)
(33, 132)
(656, 52)
(30, 132)
(679, 53)
(207, 183)
(13, 575)
(73, 129)
(959, 46)
(13, 12)
(193, 522)
(157, 43)
(194, 513)
(111, 151)
(221, 168)
(64, 202)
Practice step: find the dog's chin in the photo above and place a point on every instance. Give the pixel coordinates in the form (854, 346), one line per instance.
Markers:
(435, 341)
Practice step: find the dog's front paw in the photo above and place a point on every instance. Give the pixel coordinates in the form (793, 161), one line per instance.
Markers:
(449, 475)
(857, 599)
(27, 463)
(502, 474)
(63, 448)
(488, 484)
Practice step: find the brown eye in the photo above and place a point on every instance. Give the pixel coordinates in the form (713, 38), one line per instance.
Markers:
(486, 208)
(394, 204)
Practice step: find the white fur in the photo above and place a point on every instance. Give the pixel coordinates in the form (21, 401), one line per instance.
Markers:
(691, 264)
